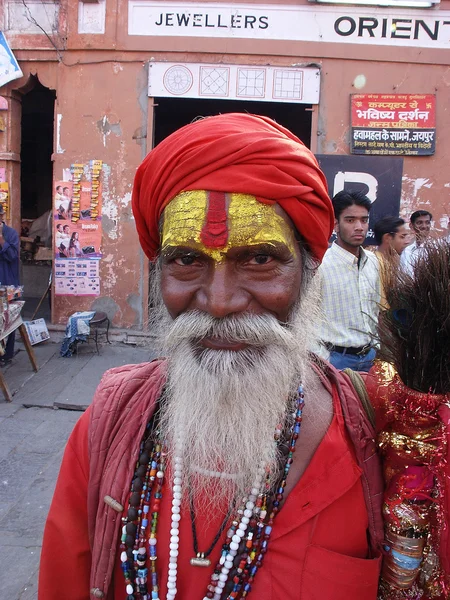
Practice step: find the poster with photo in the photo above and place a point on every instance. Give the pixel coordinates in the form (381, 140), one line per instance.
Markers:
(4, 198)
(77, 230)
(77, 240)
(62, 200)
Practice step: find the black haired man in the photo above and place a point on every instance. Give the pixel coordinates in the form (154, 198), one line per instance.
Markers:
(350, 287)
(420, 223)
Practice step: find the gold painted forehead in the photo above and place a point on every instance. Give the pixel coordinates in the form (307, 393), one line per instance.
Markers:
(214, 222)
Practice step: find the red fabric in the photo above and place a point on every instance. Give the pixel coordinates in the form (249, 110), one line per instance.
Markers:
(235, 153)
(444, 414)
(215, 231)
(318, 548)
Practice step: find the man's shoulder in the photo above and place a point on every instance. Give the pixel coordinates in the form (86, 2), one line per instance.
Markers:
(143, 372)
(330, 258)
(10, 230)
(373, 259)
(122, 388)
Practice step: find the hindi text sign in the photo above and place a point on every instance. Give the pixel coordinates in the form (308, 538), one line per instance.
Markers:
(396, 124)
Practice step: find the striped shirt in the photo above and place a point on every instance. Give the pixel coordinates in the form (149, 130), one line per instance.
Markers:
(350, 297)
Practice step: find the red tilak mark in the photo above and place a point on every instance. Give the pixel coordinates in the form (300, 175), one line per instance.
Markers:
(215, 231)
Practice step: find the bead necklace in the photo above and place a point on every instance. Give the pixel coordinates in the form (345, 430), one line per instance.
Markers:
(201, 558)
(253, 519)
(249, 531)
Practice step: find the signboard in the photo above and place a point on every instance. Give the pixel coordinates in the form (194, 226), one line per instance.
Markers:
(393, 124)
(9, 67)
(379, 178)
(234, 82)
(373, 26)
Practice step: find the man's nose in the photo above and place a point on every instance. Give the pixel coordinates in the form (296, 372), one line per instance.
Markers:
(221, 295)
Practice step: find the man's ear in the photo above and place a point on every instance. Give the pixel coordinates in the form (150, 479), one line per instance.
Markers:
(336, 225)
(386, 237)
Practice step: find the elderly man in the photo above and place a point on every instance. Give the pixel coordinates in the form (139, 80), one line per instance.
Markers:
(227, 469)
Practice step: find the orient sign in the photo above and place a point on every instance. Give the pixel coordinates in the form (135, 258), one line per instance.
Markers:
(375, 26)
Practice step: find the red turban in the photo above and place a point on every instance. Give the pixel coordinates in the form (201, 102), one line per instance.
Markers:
(238, 153)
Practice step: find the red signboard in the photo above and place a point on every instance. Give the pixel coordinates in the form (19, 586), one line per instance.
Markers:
(394, 110)
(393, 124)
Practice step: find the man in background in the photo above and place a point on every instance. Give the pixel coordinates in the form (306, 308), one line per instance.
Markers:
(420, 223)
(350, 286)
(9, 271)
(392, 237)
(447, 233)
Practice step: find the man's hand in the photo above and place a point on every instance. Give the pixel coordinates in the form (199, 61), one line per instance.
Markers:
(2, 240)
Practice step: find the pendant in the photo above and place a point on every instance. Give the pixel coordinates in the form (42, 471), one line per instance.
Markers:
(200, 561)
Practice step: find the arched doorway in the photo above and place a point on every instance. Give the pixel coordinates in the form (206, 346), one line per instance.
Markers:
(36, 181)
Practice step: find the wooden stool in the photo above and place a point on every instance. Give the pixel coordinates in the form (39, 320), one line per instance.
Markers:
(100, 319)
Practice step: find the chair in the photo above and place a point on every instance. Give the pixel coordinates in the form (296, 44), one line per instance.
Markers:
(99, 320)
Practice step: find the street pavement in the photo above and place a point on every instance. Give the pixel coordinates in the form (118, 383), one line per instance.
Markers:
(34, 428)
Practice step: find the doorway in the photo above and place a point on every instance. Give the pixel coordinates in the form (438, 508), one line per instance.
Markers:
(36, 171)
(36, 181)
(173, 113)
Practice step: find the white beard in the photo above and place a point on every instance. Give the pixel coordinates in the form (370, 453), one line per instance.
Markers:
(223, 406)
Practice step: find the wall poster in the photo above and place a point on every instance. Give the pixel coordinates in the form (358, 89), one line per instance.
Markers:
(4, 197)
(401, 124)
(78, 231)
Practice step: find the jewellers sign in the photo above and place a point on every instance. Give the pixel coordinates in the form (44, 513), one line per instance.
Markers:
(374, 26)
(402, 124)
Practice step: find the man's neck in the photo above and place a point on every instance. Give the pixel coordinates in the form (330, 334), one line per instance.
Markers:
(355, 250)
(421, 239)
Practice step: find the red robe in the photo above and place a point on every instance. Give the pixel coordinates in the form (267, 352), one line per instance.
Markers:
(318, 549)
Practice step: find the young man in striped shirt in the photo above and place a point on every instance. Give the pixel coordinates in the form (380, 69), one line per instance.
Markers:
(350, 284)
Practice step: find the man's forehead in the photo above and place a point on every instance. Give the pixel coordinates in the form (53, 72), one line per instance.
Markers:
(218, 221)
(354, 210)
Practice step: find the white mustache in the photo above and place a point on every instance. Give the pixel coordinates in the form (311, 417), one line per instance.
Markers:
(255, 330)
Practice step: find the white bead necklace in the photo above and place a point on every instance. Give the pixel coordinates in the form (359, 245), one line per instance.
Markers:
(247, 513)
(247, 510)
(175, 522)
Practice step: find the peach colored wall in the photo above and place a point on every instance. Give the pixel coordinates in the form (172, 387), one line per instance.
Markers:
(101, 88)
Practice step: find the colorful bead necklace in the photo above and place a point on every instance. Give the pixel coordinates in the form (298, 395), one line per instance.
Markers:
(246, 541)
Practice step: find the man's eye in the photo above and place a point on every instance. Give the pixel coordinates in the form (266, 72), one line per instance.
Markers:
(261, 259)
(186, 260)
